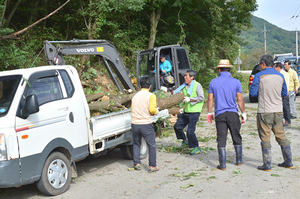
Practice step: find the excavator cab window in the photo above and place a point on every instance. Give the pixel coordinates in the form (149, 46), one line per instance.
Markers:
(146, 67)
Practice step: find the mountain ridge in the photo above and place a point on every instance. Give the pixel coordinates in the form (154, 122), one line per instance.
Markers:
(278, 39)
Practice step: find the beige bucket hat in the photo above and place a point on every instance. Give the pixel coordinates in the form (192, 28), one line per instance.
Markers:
(224, 63)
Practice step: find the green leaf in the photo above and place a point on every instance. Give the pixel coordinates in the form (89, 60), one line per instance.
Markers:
(188, 185)
(275, 175)
(237, 171)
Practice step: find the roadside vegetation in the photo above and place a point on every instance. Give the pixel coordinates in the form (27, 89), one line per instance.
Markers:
(209, 34)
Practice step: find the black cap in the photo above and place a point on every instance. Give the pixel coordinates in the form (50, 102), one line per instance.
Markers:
(162, 56)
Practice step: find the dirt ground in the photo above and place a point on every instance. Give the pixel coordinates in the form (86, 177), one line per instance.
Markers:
(185, 176)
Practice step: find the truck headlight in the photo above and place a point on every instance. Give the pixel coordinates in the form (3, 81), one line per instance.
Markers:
(3, 154)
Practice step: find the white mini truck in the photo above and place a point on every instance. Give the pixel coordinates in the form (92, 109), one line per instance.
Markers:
(46, 127)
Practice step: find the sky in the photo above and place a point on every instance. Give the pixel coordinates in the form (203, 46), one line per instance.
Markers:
(282, 13)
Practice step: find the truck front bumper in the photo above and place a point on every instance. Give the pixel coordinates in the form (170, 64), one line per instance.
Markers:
(9, 173)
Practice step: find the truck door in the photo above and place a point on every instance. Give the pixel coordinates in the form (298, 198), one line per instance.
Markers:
(52, 127)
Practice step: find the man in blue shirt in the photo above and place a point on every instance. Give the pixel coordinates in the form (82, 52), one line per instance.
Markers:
(269, 85)
(164, 65)
(226, 91)
(164, 68)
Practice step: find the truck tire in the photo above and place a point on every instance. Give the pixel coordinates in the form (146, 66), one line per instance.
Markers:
(127, 150)
(56, 175)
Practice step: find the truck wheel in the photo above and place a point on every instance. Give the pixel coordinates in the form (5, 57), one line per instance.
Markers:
(127, 150)
(56, 175)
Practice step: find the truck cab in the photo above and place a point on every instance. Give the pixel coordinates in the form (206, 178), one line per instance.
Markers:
(149, 60)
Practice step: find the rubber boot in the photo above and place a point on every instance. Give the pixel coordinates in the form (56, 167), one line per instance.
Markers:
(239, 154)
(266, 154)
(287, 157)
(222, 158)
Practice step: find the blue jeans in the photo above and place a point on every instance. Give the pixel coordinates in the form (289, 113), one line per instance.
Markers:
(191, 120)
(147, 132)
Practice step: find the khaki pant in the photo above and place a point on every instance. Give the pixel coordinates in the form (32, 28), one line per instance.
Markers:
(267, 122)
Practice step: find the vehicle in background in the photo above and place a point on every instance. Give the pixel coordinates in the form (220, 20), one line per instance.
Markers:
(255, 70)
(281, 57)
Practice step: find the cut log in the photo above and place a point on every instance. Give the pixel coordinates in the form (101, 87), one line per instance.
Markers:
(94, 97)
(115, 103)
(124, 101)
(165, 103)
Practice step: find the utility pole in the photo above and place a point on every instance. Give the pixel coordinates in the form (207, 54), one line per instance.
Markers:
(297, 44)
(265, 35)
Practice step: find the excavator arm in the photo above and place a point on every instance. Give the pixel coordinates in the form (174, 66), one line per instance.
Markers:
(105, 49)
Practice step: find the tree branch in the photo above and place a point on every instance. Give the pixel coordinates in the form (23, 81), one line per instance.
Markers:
(14, 35)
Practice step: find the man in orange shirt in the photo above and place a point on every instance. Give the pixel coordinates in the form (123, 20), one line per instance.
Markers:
(142, 107)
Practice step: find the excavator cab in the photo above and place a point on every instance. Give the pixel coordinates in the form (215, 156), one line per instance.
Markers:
(148, 62)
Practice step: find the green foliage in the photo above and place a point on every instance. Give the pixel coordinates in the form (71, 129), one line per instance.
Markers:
(210, 33)
(174, 149)
(90, 73)
(12, 57)
(161, 94)
(161, 125)
(206, 139)
(207, 149)
(91, 91)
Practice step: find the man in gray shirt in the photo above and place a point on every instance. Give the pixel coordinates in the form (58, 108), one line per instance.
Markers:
(269, 85)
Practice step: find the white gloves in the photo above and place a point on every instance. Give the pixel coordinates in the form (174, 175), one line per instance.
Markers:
(181, 110)
(157, 108)
(187, 99)
(244, 117)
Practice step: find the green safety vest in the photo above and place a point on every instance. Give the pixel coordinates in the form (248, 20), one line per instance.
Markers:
(196, 108)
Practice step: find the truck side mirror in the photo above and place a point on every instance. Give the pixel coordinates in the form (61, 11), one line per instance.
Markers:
(31, 106)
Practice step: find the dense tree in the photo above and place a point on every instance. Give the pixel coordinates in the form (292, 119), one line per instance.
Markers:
(209, 29)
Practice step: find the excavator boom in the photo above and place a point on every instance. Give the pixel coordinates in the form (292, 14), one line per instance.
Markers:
(103, 48)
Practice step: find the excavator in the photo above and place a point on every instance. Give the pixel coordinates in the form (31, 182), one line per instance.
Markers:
(147, 61)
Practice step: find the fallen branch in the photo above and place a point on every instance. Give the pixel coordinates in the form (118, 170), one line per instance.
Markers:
(14, 35)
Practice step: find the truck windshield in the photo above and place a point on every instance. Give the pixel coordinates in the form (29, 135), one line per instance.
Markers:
(8, 87)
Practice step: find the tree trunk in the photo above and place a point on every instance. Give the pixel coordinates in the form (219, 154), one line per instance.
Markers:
(154, 19)
(165, 103)
(11, 14)
(3, 13)
(115, 103)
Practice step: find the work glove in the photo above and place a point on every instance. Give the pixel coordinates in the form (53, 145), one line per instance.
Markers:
(187, 99)
(181, 110)
(244, 117)
(210, 117)
(157, 108)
